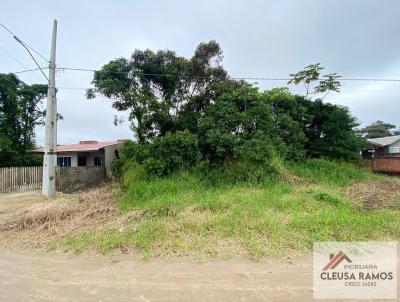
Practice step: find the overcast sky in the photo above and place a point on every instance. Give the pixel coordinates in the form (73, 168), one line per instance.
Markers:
(355, 38)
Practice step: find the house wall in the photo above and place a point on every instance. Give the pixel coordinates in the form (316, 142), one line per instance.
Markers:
(73, 155)
(386, 150)
(386, 164)
(110, 156)
(89, 157)
(70, 179)
(380, 150)
(394, 145)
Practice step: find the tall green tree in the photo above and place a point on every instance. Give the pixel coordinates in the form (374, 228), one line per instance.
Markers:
(378, 129)
(314, 83)
(155, 87)
(330, 131)
(20, 112)
(289, 115)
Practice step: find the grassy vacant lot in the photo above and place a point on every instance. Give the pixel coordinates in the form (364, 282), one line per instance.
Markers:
(183, 215)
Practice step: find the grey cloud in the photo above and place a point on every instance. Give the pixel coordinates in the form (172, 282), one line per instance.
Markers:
(259, 38)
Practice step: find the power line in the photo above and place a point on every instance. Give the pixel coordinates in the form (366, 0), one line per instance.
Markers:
(23, 43)
(29, 70)
(175, 75)
(27, 46)
(208, 77)
(13, 58)
(370, 79)
(340, 94)
(33, 58)
(233, 78)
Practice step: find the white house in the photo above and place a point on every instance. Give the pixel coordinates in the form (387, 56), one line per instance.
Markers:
(386, 153)
(386, 146)
(88, 153)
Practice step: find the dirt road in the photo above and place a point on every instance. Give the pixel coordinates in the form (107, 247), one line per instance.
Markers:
(28, 275)
(52, 277)
(33, 276)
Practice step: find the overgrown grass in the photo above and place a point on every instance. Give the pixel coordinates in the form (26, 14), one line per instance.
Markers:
(331, 172)
(182, 215)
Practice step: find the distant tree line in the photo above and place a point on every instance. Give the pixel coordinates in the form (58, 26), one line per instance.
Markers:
(379, 129)
(189, 111)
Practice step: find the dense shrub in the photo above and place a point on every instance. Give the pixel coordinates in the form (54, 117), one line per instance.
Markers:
(165, 155)
(245, 134)
(117, 168)
(330, 132)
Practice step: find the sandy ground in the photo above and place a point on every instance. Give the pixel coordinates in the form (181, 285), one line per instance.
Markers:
(29, 276)
(52, 277)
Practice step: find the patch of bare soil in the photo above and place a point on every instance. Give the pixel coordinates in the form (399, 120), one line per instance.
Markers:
(28, 218)
(377, 194)
(27, 276)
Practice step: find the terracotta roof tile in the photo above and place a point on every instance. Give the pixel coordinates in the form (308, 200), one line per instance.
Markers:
(83, 146)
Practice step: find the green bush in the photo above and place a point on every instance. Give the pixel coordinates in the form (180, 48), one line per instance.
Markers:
(135, 151)
(165, 155)
(155, 167)
(117, 168)
(175, 151)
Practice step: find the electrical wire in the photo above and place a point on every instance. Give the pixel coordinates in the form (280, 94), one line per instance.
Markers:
(33, 58)
(27, 46)
(29, 70)
(23, 42)
(13, 58)
(233, 78)
(211, 77)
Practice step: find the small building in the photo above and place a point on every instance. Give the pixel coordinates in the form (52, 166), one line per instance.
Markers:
(89, 154)
(385, 146)
(385, 153)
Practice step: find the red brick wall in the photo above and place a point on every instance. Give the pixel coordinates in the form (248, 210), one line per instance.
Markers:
(387, 164)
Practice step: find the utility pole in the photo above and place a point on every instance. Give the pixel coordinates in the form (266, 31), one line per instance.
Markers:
(50, 145)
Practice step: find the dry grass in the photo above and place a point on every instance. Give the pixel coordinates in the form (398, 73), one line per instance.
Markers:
(42, 221)
(374, 195)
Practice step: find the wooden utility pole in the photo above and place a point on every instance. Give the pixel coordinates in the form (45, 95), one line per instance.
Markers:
(50, 144)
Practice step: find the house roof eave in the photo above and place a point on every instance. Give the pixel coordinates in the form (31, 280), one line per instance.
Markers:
(384, 141)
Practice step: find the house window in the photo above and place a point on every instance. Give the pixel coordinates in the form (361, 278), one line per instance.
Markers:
(99, 161)
(394, 150)
(81, 161)
(64, 161)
